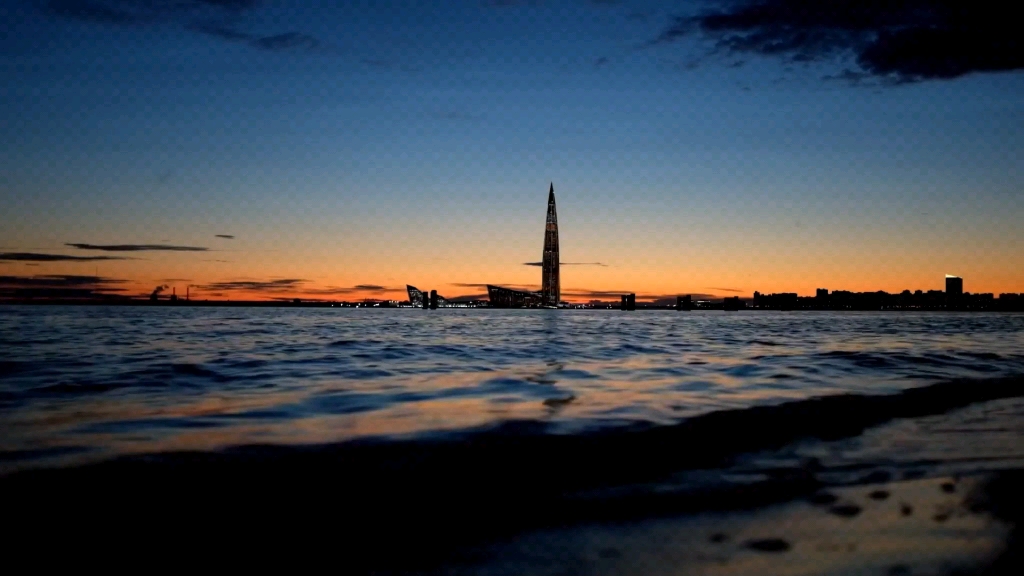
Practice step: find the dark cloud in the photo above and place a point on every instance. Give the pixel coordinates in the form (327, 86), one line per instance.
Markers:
(725, 289)
(59, 286)
(137, 247)
(507, 3)
(146, 11)
(523, 287)
(33, 257)
(226, 236)
(894, 40)
(602, 61)
(57, 281)
(286, 41)
(289, 284)
(568, 264)
(585, 293)
(216, 18)
(340, 291)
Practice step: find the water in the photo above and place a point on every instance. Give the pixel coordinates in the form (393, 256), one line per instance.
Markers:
(87, 383)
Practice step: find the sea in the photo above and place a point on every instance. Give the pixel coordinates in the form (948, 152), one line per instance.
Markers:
(81, 384)
(480, 441)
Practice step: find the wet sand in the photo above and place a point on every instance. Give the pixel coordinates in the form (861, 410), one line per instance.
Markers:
(928, 526)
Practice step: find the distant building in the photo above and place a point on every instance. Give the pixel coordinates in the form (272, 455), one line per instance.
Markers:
(422, 299)
(733, 303)
(550, 294)
(954, 291)
(502, 297)
(551, 286)
(954, 286)
(415, 295)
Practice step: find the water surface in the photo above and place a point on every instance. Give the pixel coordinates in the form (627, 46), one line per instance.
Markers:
(85, 383)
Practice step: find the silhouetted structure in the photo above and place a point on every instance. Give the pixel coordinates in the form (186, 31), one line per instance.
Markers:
(684, 303)
(551, 288)
(502, 297)
(422, 299)
(415, 296)
(954, 292)
(732, 304)
(628, 302)
(954, 298)
(954, 286)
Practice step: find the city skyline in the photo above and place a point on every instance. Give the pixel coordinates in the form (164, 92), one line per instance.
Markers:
(257, 150)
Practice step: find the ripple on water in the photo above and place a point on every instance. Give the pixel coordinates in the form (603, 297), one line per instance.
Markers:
(306, 375)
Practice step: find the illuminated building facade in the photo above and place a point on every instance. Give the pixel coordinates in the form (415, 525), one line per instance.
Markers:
(421, 299)
(551, 289)
(502, 297)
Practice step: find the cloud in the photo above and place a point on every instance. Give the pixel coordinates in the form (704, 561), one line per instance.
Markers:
(602, 61)
(137, 247)
(286, 41)
(725, 289)
(289, 284)
(292, 286)
(225, 236)
(146, 11)
(58, 286)
(568, 264)
(33, 257)
(57, 281)
(896, 41)
(585, 293)
(214, 18)
(523, 287)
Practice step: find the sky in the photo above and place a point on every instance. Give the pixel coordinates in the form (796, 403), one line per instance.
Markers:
(268, 149)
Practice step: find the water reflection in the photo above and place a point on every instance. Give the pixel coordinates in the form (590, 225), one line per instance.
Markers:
(207, 378)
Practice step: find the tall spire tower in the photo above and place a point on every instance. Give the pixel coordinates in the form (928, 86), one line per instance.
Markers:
(551, 289)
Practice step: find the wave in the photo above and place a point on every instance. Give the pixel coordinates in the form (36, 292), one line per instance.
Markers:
(485, 483)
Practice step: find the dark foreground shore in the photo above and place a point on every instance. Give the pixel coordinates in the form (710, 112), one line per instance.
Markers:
(846, 484)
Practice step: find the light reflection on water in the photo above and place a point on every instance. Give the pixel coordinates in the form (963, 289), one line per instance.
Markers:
(105, 380)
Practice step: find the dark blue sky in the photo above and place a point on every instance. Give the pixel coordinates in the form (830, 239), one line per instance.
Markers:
(379, 142)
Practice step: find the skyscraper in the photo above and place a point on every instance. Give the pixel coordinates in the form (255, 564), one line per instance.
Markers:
(954, 286)
(551, 291)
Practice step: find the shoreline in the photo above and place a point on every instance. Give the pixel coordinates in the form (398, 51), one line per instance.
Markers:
(509, 499)
(640, 307)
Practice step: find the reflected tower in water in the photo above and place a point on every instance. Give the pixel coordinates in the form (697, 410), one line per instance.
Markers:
(551, 291)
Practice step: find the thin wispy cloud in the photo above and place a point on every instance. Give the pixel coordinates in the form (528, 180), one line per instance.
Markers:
(35, 257)
(568, 264)
(225, 236)
(724, 289)
(294, 286)
(59, 286)
(255, 285)
(221, 19)
(137, 247)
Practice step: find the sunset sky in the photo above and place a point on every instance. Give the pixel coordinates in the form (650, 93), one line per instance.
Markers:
(258, 150)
